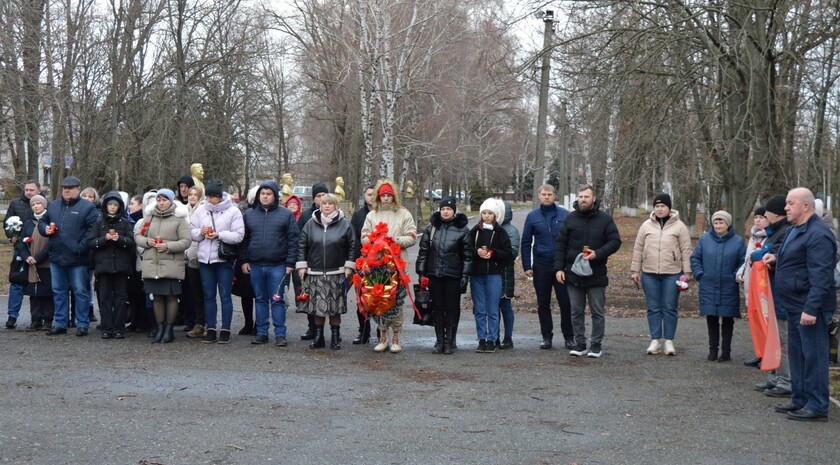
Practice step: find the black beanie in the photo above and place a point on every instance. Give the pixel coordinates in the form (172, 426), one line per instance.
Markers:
(448, 201)
(319, 188)
(760, 211)
(662, 198)
(213, 188)
(185, 179)
(776, 204)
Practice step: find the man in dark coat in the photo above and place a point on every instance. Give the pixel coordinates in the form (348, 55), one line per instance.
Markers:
(358, 222)
(805, 282)
(589, 232)
(268, 253)
(67, 222)
(18, 207)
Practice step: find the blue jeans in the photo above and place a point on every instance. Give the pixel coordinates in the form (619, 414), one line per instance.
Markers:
(506, 309)
(63, 279)
(808, 358)
(486, 292)
(265, 280)
(662, 296)
(15, 299)
(215, 275)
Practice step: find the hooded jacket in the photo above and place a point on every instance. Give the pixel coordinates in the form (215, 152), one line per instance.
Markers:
(185, 179)
(328, 250)
(449, 253)
(19, 206)
(400, 223)
(295, 199)
(114, 257)
(172, 228)
(271, 233)
(714, 263)
(73, 220)
(228, 224)
(662, 249)
(592, 228)
(509, 275)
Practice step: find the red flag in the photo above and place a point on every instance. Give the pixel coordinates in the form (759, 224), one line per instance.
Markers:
(773, 347)
(757, 308)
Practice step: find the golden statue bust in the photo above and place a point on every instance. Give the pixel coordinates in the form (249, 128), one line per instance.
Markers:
(197, 173)
(339, 188)
(286, 190)
(409, 190)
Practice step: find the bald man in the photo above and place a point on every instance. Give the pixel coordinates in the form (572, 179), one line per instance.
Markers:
(805, 290)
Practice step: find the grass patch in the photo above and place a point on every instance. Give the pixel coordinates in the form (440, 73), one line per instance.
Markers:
(5, 261)
(834, 383)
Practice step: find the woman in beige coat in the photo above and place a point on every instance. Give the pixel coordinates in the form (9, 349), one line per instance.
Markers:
(164, 237)
(661, 254)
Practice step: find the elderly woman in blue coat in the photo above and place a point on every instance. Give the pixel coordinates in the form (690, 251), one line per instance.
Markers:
(714, 263)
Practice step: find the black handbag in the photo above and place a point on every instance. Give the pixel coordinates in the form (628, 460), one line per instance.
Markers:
(19, 272)
(424, 304)
(227, 252)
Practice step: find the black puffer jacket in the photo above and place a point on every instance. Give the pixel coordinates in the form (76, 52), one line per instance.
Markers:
(498, 242)
(271, 234)
(327, 251)
(117, 256)
(449, 253)
(592, 228)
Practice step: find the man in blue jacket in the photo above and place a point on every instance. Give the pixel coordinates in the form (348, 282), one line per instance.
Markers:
(538, 236)
(67, 223)
(268, 253)
(805, 285)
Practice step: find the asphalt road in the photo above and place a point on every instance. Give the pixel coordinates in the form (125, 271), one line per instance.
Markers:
(86, 400)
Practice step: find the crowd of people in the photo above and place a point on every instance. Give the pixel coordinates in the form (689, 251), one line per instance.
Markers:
(161, 259)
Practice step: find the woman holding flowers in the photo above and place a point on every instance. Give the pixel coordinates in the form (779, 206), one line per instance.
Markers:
(401, 229)
(445, 258)
(326, 251)
(37, 254)
(493, 252)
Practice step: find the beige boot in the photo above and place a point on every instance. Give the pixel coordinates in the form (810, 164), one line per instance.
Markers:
(383, 340)
(196, 331)
(395, 343)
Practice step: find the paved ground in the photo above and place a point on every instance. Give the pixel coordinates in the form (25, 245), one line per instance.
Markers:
(72, 400)
(84, 400)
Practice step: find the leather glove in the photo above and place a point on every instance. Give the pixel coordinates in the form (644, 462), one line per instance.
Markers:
(464, 281)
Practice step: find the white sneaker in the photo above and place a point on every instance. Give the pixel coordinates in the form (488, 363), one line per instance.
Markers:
(593, 354)
(669, 347)
(654, 348)
(579, 352)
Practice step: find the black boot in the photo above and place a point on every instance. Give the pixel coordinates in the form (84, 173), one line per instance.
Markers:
(364, 330)
(714, 337)
(310, 330)
(317, 338)
(335, 342)
(158, 337)
(713, 354)
(727, 327)
(168, 333)
(450, 325)
(439, 337)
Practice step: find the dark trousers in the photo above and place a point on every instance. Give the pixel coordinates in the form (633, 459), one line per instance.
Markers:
(544, 282)
(186, 303)
(808, 357)
(112, 292)
(42, 308)
(725, 327)
(192, 318)
(141, 317)
(446, 295)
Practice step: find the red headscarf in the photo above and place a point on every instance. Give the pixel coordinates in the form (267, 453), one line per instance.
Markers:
(295, 199)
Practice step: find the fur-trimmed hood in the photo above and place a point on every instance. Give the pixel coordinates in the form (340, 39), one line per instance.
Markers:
(397, 198)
